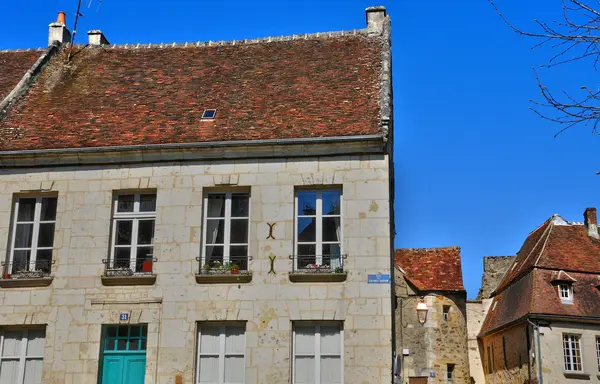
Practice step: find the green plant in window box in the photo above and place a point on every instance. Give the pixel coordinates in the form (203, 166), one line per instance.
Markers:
(339, 270)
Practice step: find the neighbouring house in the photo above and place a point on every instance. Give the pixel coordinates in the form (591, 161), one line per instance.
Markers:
(543, 321)
(494, 268)
(431, 326)
(200, 213)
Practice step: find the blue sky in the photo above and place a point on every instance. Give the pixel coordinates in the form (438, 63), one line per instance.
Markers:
(474, 167)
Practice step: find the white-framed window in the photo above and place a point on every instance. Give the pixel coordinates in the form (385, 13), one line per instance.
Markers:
(318, 351)
(33, 234)
(318, 240)
(572, 353)
(133, 231)
(598, 352)
(22, 356)
(220, 353)
(226, 229)
(565, 290)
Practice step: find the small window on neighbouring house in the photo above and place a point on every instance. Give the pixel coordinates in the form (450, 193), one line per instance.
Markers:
(598, 352)
(450, 372)
(446, 312)
(565, 291)
(209, 114)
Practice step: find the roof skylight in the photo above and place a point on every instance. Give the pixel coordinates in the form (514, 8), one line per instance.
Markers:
(209, 114)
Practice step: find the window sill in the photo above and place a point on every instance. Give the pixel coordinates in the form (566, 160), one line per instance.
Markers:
(112, 281)
(318, 277)
(577, 375)
(26, 282)
(224, 279)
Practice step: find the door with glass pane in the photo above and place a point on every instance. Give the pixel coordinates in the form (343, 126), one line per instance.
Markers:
(22, 356)
(124, 354)
(221, 354)
(318, 351)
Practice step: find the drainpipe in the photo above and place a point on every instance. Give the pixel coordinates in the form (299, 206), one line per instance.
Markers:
(539, 353)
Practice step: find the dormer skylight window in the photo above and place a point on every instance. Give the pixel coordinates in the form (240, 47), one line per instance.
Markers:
(565, 291)
(209, 114)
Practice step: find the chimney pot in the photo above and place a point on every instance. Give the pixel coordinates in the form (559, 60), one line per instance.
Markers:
(62, 18)
(58, 31)
(376, 17)
(591, 222)
(96, 37)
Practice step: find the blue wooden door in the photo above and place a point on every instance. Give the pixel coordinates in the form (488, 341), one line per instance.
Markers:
(124, 354)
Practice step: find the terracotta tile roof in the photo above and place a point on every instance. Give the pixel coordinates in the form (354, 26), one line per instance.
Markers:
(13, 66)
(556, 251)
(303, 88)
(432, 269)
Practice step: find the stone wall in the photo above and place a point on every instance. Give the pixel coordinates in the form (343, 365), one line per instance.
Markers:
(76, 305)
(436, 343)
(510, 355)
(476, 312)
(494, 268)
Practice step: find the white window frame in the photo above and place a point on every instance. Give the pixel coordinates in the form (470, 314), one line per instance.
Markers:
(36, 228)
(317, 348)
(571, 345)
(598, 352)
(226, 227)
(565, 292)
(22, 358)
(135, 217)
(222, 355)
(319, 224)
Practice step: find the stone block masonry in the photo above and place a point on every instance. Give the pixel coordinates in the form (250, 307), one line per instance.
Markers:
(76, 306)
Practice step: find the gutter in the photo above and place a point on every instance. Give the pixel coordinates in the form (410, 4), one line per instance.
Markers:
(539, 347)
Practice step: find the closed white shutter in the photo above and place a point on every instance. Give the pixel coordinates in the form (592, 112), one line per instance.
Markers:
(221, 355)
(21, 360)
(318, 354)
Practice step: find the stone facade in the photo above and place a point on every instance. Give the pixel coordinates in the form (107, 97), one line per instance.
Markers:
(476, 311)
(494, 268)
(437, 343)
(76, 305)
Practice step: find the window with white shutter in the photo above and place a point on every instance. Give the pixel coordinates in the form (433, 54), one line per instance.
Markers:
(221, 354)
(318, 351)
(21, 356)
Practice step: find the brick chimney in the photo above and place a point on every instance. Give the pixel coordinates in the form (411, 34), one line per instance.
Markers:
(376, 19)
(591, 222)
(97, 38)
(58, 30)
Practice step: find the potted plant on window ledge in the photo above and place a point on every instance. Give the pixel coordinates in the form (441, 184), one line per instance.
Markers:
(235, 269)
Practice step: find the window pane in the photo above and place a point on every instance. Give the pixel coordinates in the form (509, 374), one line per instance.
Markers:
(43, 260)
(35, 343)
(121, 344)
(238, 252)
(122, 257)
(305, 340)
(134, 332)
(307, 229)
(215, 231)
(209, 369)
(144, 344)
(134, 344)
(124, 232)
(46, 235)
(123, 331)
(146, 232)
(234, 340)
(125, 203)
(306, 249)
(331, 370)
(239, 231)
(240, 204)
(331, 202)
(307, 203)
(48, 212)
(26, 210)
(110, 344)
(144, 254)
(209, 340)
(331, 229)
(111, 332)
(304, 370)
(23, 235)
(148, 203)
(33, 371)
(12, 343)
(216, 205)
(331, 249)
(214, 254)
(20, 261)
(330, 341)
(234, 369)
(9, 373)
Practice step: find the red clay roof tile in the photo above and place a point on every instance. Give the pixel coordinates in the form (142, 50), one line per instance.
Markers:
(13, 66)
(304, 88)
(432, 269)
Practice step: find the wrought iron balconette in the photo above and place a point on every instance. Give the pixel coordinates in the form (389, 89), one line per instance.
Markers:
(317, 268)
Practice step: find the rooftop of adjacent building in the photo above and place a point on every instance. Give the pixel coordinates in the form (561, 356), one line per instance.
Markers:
(431, 269)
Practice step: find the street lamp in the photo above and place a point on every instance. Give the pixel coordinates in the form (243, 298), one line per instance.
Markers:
(422, 311)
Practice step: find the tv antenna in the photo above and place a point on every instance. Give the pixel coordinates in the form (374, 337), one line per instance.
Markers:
(77, 14)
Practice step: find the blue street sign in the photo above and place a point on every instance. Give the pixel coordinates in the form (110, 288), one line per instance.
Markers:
(378, 279)
(124, 316)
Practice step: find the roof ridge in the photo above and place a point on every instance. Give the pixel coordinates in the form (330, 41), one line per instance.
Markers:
(550, 228)
(259, 40)
(40, 49)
